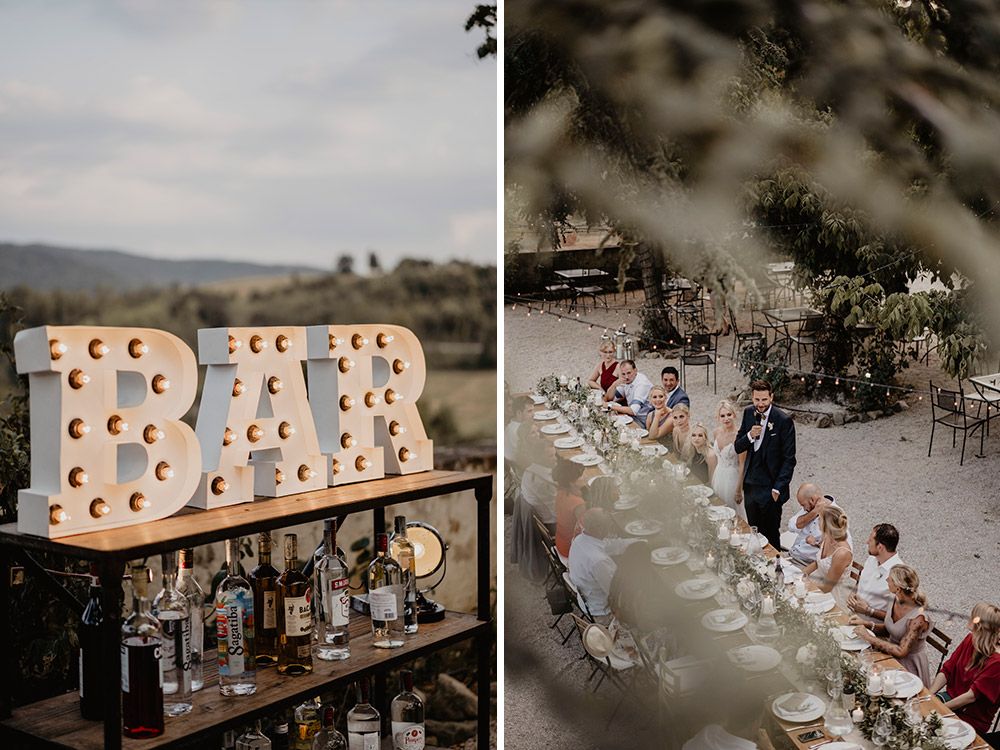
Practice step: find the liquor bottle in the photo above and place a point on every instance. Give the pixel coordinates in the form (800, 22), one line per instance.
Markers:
(228, 740)
(142, 674)
(334, 599)
(253, 739)
(407, 715)
(91, 653)
(192, 591)
(294, 615)
(401, 550)
(172, 610)
(306, 723)
(280, 736)
(234, 628)
(328, 738)
(385, 597)
(264, 579)
(779, 574)
(363, 721)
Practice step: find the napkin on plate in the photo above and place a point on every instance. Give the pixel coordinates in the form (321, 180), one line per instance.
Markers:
(795, 703)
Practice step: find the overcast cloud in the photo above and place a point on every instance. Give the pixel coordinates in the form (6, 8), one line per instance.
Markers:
(245, 129)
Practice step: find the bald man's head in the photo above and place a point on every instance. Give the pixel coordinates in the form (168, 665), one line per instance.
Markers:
(807, 495)
(596, 523)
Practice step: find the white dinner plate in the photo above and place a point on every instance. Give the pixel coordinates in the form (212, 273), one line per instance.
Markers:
(654, 450)
(958, 734)
(640, 432)
(536, 399)
(627, 502)
(840, 746)
(555, 429)
(669, 555)
(754, 658)
(697, 588)
(623, 420)
(544, 416)
(806, 707)
(642, 527)
(907, 684)
(587, 459)
(670, 467)
(698, 490)
(719, 512)
(569, 442)
(817, 602)
(724, 620)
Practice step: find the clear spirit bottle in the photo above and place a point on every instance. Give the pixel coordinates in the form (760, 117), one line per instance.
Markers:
(407, 715)
(363, 721)
(328, 738)
(306, 717)
(234, 626)
(172, 610)
(334, 600)
(385, 597)
(253, 739)
(294, 615)
(92, 649)
(401, 550)
(264, 579)
(195, 595)
(142, 674)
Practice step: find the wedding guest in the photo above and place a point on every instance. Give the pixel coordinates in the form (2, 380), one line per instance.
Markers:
(698, 453)
(636, 596)
(670, 378)
(521, 408)
(537, 487)
(569, 504)
(631, 394)
(972, 674)
(605, 373)
(659, 423)
(681, 415)
(834, 555)
(602, 492)
(739, 727)
(904, 621)
(591, 566)
(872, 593)
(805, 524)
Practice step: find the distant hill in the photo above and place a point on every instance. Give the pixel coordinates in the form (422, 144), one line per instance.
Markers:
(46, 267)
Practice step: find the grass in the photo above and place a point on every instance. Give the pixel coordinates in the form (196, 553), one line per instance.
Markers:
(470, 394)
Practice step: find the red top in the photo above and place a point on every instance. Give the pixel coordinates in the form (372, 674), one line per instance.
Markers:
(984, 681)
(566, 504)
(608, 375)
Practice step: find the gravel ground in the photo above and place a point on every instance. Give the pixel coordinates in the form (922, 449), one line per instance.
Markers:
(879, 471)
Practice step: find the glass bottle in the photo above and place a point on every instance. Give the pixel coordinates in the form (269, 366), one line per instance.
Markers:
(407, 715)
(306, 723)
(92, 653)
(234, 628)
(334, 599)
(363, 721)
(253, 739)
(264, 579)
(294, 615)
(142, 674)
(401, 550)
(328, 738)
(280, 733)
(385, 597)
(191, 590)
(172, 610)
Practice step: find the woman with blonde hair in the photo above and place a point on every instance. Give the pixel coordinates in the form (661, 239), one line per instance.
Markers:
(681, 416)
(658, 422)
(904, 622)
(972, 674)
(698, 453)
(834, 558)
(605, 374)
(727, 478)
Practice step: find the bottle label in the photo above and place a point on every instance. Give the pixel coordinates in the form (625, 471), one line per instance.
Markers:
(298, 615)
(340, 596)
(407, 735)
(125, 686)
(169, 644)
(383, 603)
(367, 741)
(270, 615)
(234, 624)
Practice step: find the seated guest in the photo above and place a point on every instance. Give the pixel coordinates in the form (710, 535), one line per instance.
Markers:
(872, 593)
(698, 453)
(569, 504)
(904, 621)
(681, 415)
(537, 487)
(638, 597)
(630, 397)
(591, 567)
(739, 727)
(675, 394)
(521, 407)
(972, 673)
(601, 493)
(659, 424)
(605, 373)
(834, 556)
(805, 524)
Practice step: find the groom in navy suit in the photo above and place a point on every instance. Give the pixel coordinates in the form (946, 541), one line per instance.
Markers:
(767, 436)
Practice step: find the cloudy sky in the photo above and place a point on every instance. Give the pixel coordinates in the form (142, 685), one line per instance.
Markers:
(286, 131)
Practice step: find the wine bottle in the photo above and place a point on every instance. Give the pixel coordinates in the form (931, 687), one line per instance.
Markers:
(171, 608)
(294, 615)
(234, 627)
(142, 673)
(385, 597)
(334, 600)
(92, 659)
(401, 550)
(264, 579)
(407, 715)
(363, 721)
(253, 739)
(328, 738)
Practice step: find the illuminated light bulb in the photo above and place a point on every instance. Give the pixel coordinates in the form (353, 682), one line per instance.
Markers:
(279, 476)
(371, 399)
(257, 344)
(152, 433)
(334, 342)
(78, 379)
(117, 425)
(234, 344)
(136, 348)
(395, 428)
(337, 467)
(77, 428)
(285, 430)
(406, 455)
(238, 387)
(219, 485)
(346, 441)
(138, 502)
(362, 463)
(57, 348)
(228, 437)
(98, 349)
(384, 340)
(163, 471)
(254, 433)
(57, 515)
(305, 473)
(399, 365)
(99, 508)
(282, 343)
(357, 341)
(160, 384)
(346, 402)
(274, 384)
(346, 364)
(78, 477)
(390, 396)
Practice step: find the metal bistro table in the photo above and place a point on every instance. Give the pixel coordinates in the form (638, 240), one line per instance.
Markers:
(988, 392)
(578, 279)
(781, 317)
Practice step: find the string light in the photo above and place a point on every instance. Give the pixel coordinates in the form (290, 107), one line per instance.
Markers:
(274, 384)
(77, 428)
(219, 486)
(361, 463)
(282, 343)
(57, 348)
(257, 344)
(138, 502)
(395, 428)
(163, 471)
(285, 430)
(98, 349)
(305, 473)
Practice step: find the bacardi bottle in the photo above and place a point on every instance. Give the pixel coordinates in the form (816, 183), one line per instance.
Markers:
(142, 675)
(363, 721)
(234, 627)
(92, 649)
(172, 610)
(407, 714)
(328, 738)
(253, 739)
(385, 597)
(195, 595)
(294, 615)
(264, 579)
(334, 600)
(401, 550)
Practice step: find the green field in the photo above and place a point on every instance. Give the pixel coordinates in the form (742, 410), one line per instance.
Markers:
(469, 396)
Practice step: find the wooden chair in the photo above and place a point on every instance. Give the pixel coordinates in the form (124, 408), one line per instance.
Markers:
(939, 642)
(856, 569)
(948, 410)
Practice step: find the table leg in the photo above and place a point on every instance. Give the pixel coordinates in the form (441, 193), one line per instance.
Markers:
(484, 494)
(111, 572)
(7, 664)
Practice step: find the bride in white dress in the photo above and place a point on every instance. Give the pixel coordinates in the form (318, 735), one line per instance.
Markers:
(726, 481)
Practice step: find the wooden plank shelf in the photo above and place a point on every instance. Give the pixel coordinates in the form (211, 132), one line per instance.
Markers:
(57, 721)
